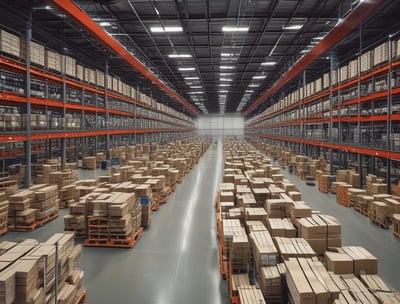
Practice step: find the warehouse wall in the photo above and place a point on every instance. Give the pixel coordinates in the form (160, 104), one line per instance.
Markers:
(217, 125)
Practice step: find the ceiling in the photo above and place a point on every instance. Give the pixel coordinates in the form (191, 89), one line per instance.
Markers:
(206, 84)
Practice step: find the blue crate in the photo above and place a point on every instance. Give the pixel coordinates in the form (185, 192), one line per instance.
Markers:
(144, 200)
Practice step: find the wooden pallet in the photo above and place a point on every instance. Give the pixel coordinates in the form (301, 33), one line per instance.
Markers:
(116, 243)
(3, 229)
(34, 225)
(81, 298)
(396, 225)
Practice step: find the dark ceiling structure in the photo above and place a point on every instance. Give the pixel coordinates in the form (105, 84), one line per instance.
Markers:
(219, 55)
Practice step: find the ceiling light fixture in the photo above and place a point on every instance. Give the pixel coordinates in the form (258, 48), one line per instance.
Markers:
(268, 63)
(223, 91)
(225, 79)
(186, 69)
(195, 87)
(254, 85)
(226, 67)
(249, 91)
(192, 78)
(224, 85)
(105, 23)
(197, 92)
(225, 74)
(166, 29)
(228, 54)
(235, 28)
(179, 55)
(292, 27)
(259, 77)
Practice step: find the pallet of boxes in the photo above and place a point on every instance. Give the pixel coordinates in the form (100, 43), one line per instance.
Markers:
(113, 220)
(297, 253)
(4, 206)
(28, 271)
(32, 208)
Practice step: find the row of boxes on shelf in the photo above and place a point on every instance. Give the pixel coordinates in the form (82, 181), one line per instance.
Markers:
(15, 46)
(298, 253)
(370, 59)
(28, 271)
(15, 122)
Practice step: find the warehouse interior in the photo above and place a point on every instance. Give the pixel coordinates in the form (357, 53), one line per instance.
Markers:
(198, 151)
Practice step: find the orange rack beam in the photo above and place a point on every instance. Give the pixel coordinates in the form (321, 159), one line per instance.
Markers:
(117, 243)
(337, 88)
(353, 149)
(351, 22)
(87, 23)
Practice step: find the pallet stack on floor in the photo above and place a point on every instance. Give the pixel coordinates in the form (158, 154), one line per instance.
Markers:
(114, 219)
(297, 253)
(89, 162)
(28, 272)
(112, 210)
(32, 208)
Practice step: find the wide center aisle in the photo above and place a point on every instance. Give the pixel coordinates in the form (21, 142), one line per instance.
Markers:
(176, 261)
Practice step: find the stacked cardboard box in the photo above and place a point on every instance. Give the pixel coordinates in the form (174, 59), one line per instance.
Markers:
(89, 162)
(362, 203)
(4, 205)
(324, 182)
(299, 210)
(28, 207)
(264, 250)
(293, 247)
(255, 214)
(273, 282)
(146, 213)
(114, 215)
(281, 228)
(309, 282)
(230, 228)
(342, 196)
(250, 295)
(68, 195)
(239, 253)
(10, 44)
(351, 259)
(276, 208)
(320, 231)
(354, 291)
(30, 273)
(353, 194)
(46, 201)
(379, 212)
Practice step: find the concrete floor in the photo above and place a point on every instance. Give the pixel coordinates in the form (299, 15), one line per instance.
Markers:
(176, 261)
(357, 230)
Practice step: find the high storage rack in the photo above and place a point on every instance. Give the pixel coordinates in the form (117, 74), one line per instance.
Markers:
(73, 110)
(350, 115)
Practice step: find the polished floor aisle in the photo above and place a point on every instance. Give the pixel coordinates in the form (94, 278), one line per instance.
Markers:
(175, 262)
(357, 230)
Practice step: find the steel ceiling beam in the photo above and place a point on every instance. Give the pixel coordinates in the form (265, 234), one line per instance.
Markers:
(85, 22)
(351, 22)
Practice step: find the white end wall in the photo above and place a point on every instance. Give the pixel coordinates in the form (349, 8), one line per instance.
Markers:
(219, 126)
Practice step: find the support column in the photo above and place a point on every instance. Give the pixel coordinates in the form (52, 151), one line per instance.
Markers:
(63, 112)
(358, 140)
(332, 67)
(83, 122)
(27, 143)
(389, 119)
(107, 113)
